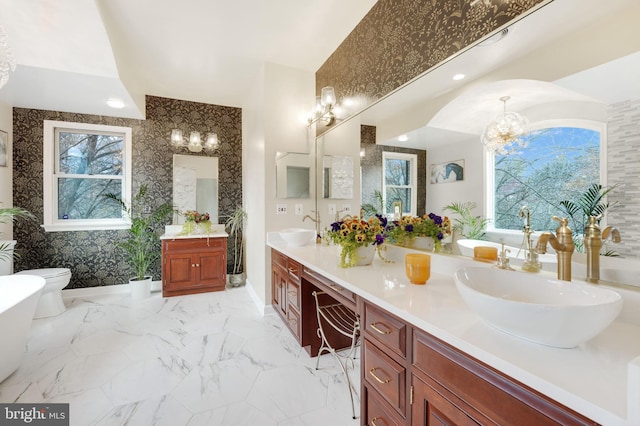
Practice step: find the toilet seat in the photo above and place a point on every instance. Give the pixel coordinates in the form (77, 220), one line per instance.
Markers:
(50, 303)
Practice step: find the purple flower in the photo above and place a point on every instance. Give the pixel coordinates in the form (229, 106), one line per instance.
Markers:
(440, 236)
(435, 218)
(335, 226)
(379, 240)
(382, 219)
(408, 228)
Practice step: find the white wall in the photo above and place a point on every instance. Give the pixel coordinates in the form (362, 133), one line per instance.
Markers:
(6, 173)
(470, 189)
(275, 121)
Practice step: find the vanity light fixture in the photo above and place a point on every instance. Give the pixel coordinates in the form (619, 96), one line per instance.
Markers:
(323, 110)
(502, 134)
(7, 60)
(194, 143)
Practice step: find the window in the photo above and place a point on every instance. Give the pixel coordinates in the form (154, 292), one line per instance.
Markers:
(81, 163)
(399, 182)
(559, 163)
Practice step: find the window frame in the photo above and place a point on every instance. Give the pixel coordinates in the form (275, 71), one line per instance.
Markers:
(489, 165)
(413, 186)
(51, 177)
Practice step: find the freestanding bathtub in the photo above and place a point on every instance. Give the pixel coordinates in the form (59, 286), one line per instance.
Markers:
(19, 296)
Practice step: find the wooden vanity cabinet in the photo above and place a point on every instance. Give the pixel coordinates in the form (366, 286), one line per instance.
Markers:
(193, 265)
(285, 291)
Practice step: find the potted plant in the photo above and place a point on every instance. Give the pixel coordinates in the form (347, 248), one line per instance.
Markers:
(426, 232)
(235, 227)
(7, 253)
(142, 245)
(358, 239)
(468, 225)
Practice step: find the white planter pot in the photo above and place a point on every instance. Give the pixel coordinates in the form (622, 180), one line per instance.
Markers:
(6, 257)
(422, 243)
(236, 280)
(365, 255)
(140, 289)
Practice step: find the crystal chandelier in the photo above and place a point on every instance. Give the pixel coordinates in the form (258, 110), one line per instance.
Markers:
(502, 135)
(7, 60)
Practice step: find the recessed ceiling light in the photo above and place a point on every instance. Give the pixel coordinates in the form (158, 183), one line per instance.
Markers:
(403, 138)
(458, 77)
(115, 103)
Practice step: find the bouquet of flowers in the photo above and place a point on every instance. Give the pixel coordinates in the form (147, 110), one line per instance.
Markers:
(352, 233)
(405, 230)
(195, 220)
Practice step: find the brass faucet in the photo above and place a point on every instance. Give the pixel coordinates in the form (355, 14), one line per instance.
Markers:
(593, 240)
(316, 220)
(562, 243)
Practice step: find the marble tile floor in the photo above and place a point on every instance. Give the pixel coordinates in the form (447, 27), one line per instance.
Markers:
(207, 359)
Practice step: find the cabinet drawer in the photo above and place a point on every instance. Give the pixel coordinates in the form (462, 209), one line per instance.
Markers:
(341, 294)
(279, 259)
(293, 294)
(386, 330)
(293, 321)
(379, 413)
(193, 244)
(386, 376)
(294, 269)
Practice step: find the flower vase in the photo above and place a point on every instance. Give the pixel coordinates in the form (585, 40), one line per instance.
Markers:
(358, 256)
(422, 243)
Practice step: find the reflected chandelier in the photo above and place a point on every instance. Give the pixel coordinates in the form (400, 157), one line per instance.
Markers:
(502, 135)
(7, 60)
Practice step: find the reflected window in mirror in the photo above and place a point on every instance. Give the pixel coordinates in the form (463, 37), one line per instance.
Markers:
(558, 163)
(399, 182)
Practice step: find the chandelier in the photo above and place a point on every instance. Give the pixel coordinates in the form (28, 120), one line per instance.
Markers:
(502, 135)
(7, 60)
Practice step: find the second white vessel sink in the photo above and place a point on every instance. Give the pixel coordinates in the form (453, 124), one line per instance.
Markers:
(297, 237)
(538, 308)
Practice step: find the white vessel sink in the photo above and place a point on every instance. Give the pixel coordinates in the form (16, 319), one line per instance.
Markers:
(538, 308)
(297, 237)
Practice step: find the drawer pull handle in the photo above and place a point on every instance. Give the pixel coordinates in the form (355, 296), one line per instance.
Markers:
(374, 326)
(293, 270)
(197, 265)
(336, 287)
(378, 379)
(374, 421)
(193, 265)
(292, 293)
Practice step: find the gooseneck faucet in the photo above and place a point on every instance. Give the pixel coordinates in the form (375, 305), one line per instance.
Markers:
(593, 240)
(562, 243)
(316, 220)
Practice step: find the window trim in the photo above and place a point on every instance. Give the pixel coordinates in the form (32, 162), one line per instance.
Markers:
(413, 160)
(489, 163)
(50, 193)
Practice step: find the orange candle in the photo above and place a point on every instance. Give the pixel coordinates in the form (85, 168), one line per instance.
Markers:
(418, 267)
(485, 253)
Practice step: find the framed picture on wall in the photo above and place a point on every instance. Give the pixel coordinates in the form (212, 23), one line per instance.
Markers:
(397, 210)
(4, 148)
(451, 171)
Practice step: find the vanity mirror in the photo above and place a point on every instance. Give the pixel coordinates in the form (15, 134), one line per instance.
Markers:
(593, 56)
(293, 171)
(195, 185)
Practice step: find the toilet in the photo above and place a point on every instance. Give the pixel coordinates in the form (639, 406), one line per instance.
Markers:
(50, 303)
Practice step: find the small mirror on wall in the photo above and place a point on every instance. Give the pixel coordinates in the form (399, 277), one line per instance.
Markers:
(337, 177)
(293, 171)
(195, 185)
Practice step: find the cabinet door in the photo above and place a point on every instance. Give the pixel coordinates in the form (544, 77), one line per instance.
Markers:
(279, 284)
(179, 270)
(430, 408)
(212, 269)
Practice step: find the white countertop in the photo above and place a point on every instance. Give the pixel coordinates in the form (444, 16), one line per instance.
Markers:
(599, 379)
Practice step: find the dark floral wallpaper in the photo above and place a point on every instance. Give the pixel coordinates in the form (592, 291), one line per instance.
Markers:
(400, 39)
(371, 164)
(92, 255)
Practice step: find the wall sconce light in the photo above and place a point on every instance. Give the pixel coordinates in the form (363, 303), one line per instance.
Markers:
(323, 110)
(502, 134)
(194, 144)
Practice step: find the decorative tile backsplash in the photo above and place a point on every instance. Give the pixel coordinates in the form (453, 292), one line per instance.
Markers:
(92, 255)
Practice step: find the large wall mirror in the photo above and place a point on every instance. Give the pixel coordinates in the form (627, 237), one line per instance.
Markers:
(195, 185)
(293, 175)
(576, 67)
